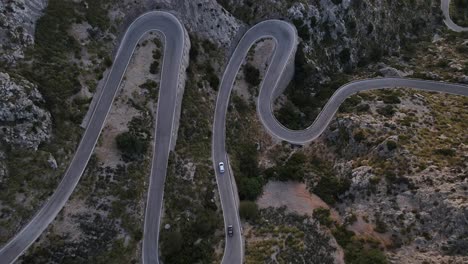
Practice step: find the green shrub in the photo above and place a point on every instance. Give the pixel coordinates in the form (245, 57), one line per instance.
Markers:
(391, 145)
(323, 216)
(55, 73)
(350, 103)
(359, 136)
(356, 251)
(345, 54)
(387, 110)
(329, 188)
(445, 152)
(154, 67)
(293, 168)
(380, 226)
(249, 187)
(131, 146)
(363, 108)
(172, 242)
(211, 76)
(248, 210)
(149, 85)
(252, 74)
(96, 14)
(459, 12)
(391, 99)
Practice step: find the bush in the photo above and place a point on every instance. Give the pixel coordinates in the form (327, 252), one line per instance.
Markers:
(356, 252)
(369, 256)
(171, 242)
(459, 12)
(350, 103)
(154, 67)
(131, 146)
(52, 69)
(249, 187)
(323, 216)
(293, 168)
(391, 145)
(96, 14)
(391, 98)
(290, 116)
(345, 56)
(380, 226)
(329, 188)
(445, 152)
(363, 108)
(252, 74)
(248, 210)
(211, 76)
(359, 136)
(387, 110)
(149, 85)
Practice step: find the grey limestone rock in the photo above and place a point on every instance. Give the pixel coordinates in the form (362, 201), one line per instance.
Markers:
(17, 24)
(23, 122)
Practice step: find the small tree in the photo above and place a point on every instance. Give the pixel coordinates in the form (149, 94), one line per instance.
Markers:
(131, 146)
(172, 242)
(248, 210)
(252, 74)
(323, 216)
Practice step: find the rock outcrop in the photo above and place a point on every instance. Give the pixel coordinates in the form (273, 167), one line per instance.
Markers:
(17, 25)
(23, 122)
(338, 36)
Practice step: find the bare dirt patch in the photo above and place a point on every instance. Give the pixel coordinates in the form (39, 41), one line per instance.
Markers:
(122, 110)
(294, 196)
(366, 230)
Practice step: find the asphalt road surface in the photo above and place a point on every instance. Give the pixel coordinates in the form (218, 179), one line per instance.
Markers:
(445, 6)
(277, 76)
(286, 37)
(274, 82)
(173, 32)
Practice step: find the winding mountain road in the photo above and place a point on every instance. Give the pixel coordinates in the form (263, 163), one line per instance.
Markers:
(277, 77)
(445, 6)
(175, 46)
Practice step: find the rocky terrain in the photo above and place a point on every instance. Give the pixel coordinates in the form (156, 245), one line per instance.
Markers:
(23, 123)
(17, 25)
(118, 208)
(392, 165)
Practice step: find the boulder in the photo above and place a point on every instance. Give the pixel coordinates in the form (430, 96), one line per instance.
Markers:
(391, 72)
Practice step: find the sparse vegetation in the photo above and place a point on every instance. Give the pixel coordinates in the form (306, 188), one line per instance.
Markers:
(52, 64)
(356, 250)
(134, 143)
(306, 96)
(190, 198)
(459, 12)
(252, 74)
(248, 210)
(289, 237)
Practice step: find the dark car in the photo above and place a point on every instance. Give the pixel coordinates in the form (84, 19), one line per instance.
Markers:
(230, 231)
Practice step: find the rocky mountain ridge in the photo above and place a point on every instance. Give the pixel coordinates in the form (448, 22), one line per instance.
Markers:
(23, 122)
(17, 25)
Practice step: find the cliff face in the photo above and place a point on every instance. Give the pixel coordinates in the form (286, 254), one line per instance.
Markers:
(339, 35)
(23, 123)
(17, 24)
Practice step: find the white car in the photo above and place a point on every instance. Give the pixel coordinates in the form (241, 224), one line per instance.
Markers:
(221, 167)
